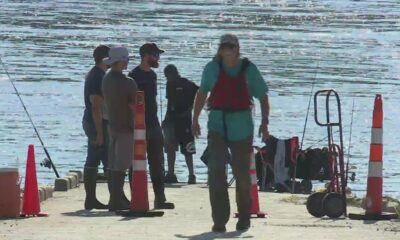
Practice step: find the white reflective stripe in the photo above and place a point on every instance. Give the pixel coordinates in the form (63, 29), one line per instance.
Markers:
(376, 136)
(253, 179)
(140, 134)
(375, 169)
(253, 162)
(139, 165)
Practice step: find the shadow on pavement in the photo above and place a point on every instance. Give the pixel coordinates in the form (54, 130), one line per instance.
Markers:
(174, 185)
(88, 213)
(214, 235)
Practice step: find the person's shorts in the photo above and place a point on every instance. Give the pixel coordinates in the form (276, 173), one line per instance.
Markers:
(120, 152)
(179, 134)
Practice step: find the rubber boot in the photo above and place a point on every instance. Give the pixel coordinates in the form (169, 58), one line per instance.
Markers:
(125, 199)
(117, 192)
(160, 202)
(89, 180)
(243, 223)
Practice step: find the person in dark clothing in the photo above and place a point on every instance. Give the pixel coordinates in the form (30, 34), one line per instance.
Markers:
(94, 124)
(178, 121)
(146, 80)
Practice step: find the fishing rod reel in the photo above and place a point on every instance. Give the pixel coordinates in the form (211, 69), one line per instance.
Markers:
(46, 163)
(352, 176)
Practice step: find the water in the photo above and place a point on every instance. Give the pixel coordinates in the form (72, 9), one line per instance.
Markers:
(352, 46)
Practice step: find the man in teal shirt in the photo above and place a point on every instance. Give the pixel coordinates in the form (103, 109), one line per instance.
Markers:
(232, 82)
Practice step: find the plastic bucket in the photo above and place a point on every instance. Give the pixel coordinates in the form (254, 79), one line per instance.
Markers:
(9, 193)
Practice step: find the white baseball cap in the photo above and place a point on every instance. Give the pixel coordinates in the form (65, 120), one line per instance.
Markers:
(117, 54)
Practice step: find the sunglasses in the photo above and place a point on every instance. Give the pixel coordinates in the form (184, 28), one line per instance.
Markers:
(156, 55)
(227, 45)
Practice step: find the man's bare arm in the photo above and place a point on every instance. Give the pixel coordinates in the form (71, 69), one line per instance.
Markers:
(97, 114)
(198, 105)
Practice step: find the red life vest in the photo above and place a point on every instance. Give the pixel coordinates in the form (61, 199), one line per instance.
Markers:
(231, 93)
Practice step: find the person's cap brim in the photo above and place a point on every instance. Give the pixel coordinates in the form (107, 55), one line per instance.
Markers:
(229, 42)
(109, 61)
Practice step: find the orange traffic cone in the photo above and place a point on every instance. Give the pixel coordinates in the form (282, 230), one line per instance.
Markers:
(31, 205)
(140, 198)
(375, 182)
(255, 208)
(255, 205)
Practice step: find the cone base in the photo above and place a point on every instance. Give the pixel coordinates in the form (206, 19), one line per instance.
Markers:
(383, 216)
(131, 213)
(254, 215)
(34, 215)
(258, 215)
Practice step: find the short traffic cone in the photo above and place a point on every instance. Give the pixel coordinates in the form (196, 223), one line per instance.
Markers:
(31, 204)
(140, 199)
(255, 208)
(375, 181)
(255, 205)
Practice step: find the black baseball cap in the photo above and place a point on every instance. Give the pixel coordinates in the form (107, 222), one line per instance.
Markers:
(101, 52)
(149, 48)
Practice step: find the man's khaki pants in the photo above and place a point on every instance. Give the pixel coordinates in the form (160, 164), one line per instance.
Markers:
(241, 155)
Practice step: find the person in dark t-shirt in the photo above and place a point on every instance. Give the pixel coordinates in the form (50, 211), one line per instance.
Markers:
(94, 124)
(178, 121)
(146, 80)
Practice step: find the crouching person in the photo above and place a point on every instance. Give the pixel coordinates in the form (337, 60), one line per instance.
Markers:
(120, 97)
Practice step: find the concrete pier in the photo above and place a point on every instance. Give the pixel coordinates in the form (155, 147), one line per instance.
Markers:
(287, 219)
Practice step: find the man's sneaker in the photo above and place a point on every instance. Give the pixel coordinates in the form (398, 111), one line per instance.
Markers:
(192, 179)
(171, 178)
(243, 224)
(218, 229)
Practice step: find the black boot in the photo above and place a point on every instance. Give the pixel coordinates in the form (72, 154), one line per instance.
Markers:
(243, 223)
(89, 179)
(124, 198)
(117, 192)
(160, 202)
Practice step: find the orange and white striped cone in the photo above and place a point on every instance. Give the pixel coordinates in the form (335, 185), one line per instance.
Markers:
(375, 182)
(373, 210)
(255, 205)
(140, 199)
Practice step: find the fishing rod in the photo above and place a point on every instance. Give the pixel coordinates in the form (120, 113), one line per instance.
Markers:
(309, 104)
(320, 140)
(305, 123)
(30, 119)
(348, 152)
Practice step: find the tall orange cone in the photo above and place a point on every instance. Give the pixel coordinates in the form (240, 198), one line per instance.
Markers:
(140, 198)
(255, 205)
(31, 205)
(375, 181)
